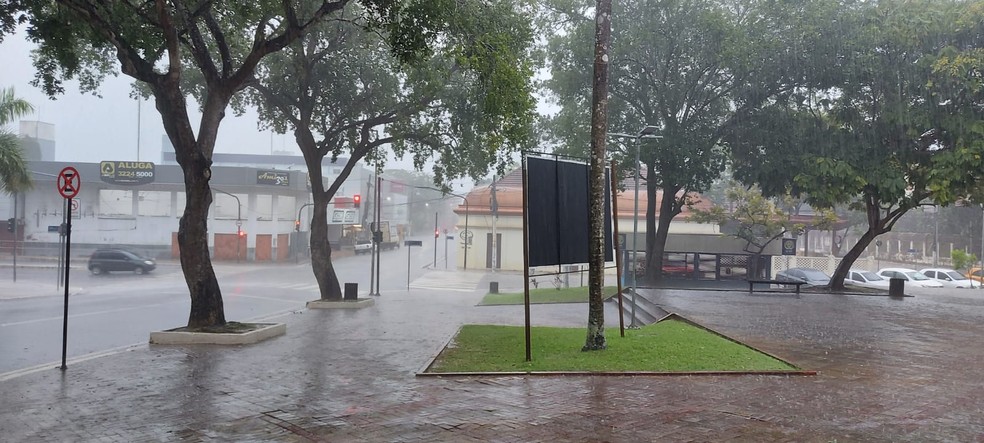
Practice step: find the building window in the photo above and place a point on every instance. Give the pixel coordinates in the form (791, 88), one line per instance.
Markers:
(264, 207)
(115, 203)
(227, 207)
(285, 207)
(153, 203)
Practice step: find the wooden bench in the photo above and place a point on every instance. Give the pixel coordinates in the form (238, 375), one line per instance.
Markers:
(751, 284)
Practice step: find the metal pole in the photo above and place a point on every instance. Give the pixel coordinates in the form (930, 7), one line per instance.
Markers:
(138, 128)
(372, 239)
(618, 256)
(445, 251)
(68, 260)
(408, 267)
(526, 270)
(435, 239)
(936, 238)
(635, 233)
(15, 237)
(468, 239)
(379, 222)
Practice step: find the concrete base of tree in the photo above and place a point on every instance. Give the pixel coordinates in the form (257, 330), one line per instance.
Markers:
(341, 304)
(176, 337)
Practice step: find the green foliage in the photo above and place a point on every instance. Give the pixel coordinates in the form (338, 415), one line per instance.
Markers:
(898, 125)
(756, 219)
(465, 102)
(961, 259)
(14, 176)
(667, 346)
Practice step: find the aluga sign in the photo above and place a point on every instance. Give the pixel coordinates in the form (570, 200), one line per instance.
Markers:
(126, 173)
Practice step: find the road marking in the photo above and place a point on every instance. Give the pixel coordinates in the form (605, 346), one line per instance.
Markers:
(57, 364)
(257, 297)
(87, 314)
(448, 281)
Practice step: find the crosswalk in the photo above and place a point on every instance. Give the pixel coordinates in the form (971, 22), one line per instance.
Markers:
(434, 280)
(448, 281)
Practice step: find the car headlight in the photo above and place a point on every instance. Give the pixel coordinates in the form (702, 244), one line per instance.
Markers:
(148, 262)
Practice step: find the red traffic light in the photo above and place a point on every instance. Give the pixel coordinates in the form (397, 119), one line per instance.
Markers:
(437, 233)
(242, 233)
(356, 200)
(297, 225)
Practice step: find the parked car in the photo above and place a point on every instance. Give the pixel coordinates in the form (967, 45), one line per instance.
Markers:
(812, 277)
(948, 277)
(865, 279)
(110, 260)
(363, 247)
(911, 277)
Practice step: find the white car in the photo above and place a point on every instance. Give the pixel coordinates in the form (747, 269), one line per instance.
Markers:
(866, 279)
(911, 277)
(948, 277)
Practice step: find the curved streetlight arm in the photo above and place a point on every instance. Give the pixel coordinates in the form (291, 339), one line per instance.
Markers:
(239, 204)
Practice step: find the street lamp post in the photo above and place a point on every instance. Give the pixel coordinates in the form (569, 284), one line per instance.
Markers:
(297, 252)
(239, 219)
(647, 132)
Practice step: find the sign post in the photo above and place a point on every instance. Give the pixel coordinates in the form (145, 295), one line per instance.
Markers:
(69, 183)
(408, 244)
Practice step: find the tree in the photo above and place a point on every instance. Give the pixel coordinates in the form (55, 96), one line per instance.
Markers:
(14, 176)
(758, 221)
(595, 339)
(892, 134)
(176, 49)
(693, 68)
(467, 101)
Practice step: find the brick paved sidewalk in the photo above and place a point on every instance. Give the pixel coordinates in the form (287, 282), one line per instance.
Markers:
(891, 371)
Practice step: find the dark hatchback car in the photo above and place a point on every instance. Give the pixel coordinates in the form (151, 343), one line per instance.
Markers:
(812, 277)
(109, 260)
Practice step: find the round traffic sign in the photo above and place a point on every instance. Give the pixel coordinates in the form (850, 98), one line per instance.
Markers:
(69, 182)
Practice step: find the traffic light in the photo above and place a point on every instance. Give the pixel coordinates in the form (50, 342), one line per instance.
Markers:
(297, 225)
(10, 224)
(356, 200)
(242, 233)
(437, 233)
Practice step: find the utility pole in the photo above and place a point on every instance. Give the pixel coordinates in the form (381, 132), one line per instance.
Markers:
(494, 206)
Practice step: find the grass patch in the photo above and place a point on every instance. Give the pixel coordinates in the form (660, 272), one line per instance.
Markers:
(546, 295)
(667, 346)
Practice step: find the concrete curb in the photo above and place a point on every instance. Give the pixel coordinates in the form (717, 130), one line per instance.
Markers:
(172, 337)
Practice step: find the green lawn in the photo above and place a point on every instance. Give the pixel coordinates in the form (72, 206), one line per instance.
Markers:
(667, 346)
(546, 295)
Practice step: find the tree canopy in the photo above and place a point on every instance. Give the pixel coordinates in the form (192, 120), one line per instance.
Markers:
(14, 176)
(899, 127)
(208, 50)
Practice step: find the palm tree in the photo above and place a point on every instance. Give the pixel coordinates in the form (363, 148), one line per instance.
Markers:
(14, 176)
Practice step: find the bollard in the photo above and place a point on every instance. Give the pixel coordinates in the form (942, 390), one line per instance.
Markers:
(896, 288)
(351, 291)
(493, 287)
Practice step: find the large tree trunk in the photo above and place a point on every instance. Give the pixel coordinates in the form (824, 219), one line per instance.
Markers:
(599, 126)
(877, 225)
(324, 271)
(321, 266)
(195, 158)
(656, 241)
(837, 280)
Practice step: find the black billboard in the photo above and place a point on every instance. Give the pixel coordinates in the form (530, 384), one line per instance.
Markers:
(557, 201)
(273, 178)
(126, 173)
